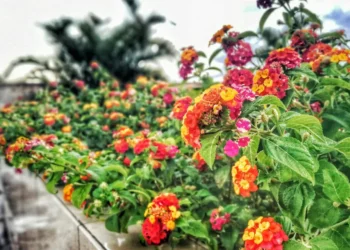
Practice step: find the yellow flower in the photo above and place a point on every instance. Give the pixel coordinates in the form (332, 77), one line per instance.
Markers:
(251, 224)
(261, 88)
(248, 236)
(335, 59)
(228, 94)
(265, 73)
(258, 238)
(152, 219)
(264, 226)
(268, 82)
(343, 57)
(184, 130)
(244, 184)
(170, 225)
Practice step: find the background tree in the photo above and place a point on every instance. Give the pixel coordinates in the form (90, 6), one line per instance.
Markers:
(119, 50)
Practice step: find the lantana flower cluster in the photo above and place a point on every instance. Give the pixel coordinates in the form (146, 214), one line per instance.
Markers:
(336, 55)
(188, 57)
(217, 220)
(264, 233)
(180, 107)
(243, 177)
(161, 215)
(207, 110)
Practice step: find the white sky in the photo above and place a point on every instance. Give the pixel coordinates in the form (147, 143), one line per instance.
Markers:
(196, 21)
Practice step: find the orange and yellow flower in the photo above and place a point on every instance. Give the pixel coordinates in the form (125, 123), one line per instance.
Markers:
(243, 177)
(270, 81)
(161, 215)
(264, 233)
(67, 192)
(217, 37)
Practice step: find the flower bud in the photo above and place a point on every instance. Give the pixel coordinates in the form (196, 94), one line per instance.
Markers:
(103, 185)
(326, 103)
(305, 136)
(97, 203)
(115, 195)
(305, 79)
(336, 204)
(264, 118)
(276, 114)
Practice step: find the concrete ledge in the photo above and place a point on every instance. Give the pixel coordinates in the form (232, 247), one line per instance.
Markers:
(39, 220)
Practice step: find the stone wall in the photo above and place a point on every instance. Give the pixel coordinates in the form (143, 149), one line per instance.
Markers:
(11, 92)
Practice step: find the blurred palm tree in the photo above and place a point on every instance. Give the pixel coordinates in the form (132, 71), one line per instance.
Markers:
(123, 50)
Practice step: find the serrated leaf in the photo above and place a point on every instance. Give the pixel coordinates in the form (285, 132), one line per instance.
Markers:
(323, 243)
(252, 149)
(51, 185)
(270, 99)
(209, 145)
(292, 154)
(303, 71)
(221, 175)
(195, 228)
(336, 185)
(213, 55)
(291, 198)
(335, 82)
(80, 194)
(344, 147)
(264, 18)
(323, 214)
(306, 122)
(340, 236)
(294, 245)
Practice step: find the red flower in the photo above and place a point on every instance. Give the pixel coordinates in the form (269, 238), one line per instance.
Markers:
(200, 163)
(287, 57)
(141, 146)
(180, 107)
(127, 161)
(121, 146)
(315, 51)
(316, 107)
(270, 81)
(303, 38)
(239, 77)
(153, 233)
(238, 53)
(264, 233)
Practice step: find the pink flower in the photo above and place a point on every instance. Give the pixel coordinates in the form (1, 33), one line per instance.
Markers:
(185, 70)
(217, 221)
(172, 151)
(231, 148)
(316, 107)
(64, 178)
(168, 98)
(243, 142)
(243, 125)
(79, 84)
(53, 84)
(18, 171)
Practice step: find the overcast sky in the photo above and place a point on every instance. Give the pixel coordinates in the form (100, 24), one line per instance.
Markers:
(196, 21)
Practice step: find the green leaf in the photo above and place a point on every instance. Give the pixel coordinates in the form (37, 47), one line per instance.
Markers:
(97, 173)
(270, 99)
(303, 71)
(335, 82)
(134, 219)
(252, 149)
(306, 122)
(80, 194)
(51, 185)
(312, 16)
(323, 214)
(292, 154)
(221, 175)
(294, 245)
(127, 196)
(323, 243)
(264, 159)
(209, 145)
(118, 185)
(213, 68)
(291, 198)
(246, 34)
(264, 18)
(117, 168)
(215, 53)
(340, 236)
(202, 54)
(195, 228)
(231, 208)
(344, 147)
(229, 238)
(112, 223)
(336, 185)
